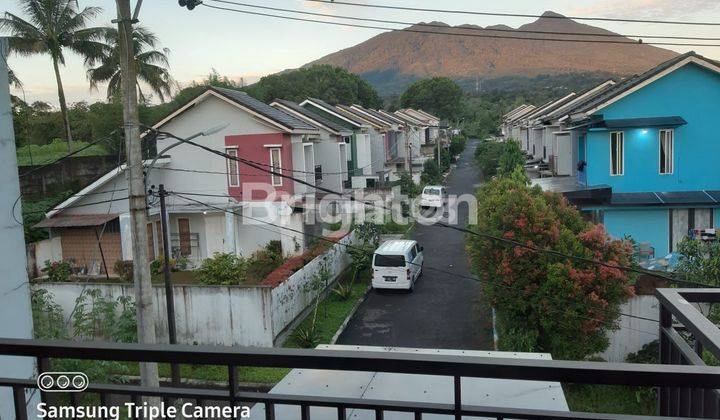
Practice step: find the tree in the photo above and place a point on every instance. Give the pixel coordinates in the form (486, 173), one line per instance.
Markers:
(438, 95)
(331, 84)
(511, 157)
(431, 173)
(14, 80)
(544, 302)
(152, 64)
(53, 26)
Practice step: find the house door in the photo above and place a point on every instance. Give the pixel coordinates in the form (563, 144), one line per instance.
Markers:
(184, 234)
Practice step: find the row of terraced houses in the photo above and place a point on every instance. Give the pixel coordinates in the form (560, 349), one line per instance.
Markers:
(639, 155)
(319, 147)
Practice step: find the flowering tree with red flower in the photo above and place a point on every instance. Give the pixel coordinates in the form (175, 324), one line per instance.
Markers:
(545, 302)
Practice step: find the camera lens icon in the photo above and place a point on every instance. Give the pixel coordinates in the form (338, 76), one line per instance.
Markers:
(62, 382)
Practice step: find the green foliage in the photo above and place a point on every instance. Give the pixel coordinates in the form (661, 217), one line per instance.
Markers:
(48, 322)
(307, 337)
(407, 186)
(649, 353)
(457, 144)
(331, 84)
(545, 303)
(96, 315)
(265, 261)
(223, 269)
(58, 271)
(124, 270)
(511, 158)
(439, 96)
(33, 154)
(431, 173)
(699, 261)
(487, 156)
(343, 291)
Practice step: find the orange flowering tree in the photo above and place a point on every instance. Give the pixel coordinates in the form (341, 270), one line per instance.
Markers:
(545, 302)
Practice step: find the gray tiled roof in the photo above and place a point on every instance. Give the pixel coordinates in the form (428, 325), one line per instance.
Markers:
(274, 114)
(635, 80)
(334, 109)
(313, 116)
(565, 109)
(359, 114)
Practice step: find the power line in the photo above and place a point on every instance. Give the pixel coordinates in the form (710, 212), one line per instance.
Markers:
(471, 12)
(384, 28)
(607, 322)
(487, 236)
(469, 28)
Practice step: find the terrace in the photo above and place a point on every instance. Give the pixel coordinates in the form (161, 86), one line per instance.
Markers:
(687, 386)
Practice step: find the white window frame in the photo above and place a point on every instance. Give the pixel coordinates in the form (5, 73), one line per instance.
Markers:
(621, 154)
(276, 180)
(229, 150)
(671, 161)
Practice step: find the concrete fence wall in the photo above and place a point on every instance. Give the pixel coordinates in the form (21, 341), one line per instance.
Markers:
(223, 315)
(634, 333)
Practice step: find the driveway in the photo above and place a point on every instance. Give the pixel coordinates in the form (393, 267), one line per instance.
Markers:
(444, 311)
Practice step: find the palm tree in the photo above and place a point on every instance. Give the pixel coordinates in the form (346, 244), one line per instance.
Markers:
(51, 27)
(151, 65)
(13, 79)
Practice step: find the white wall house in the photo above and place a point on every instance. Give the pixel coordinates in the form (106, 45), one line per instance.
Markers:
(216, 204)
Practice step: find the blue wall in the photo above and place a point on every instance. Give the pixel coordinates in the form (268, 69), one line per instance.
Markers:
(643, 225)
(691, 92)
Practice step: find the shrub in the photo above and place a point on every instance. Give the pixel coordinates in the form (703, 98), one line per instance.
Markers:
(307, 337)
(263, 262)
(457, 144)
(343, 291)
(511, 158)
(48, 321)
(223, 269)
(157, 266)
(546, 303)
(124, 270)
(406, 184)
(97, 316)
(58, 271)
(431, 173)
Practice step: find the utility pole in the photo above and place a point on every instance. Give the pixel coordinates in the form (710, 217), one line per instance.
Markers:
(169, 298)
(136, 191)
(15, 307)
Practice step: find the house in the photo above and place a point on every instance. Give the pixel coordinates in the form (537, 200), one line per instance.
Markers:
(360, 164)
(645, 149)
(538, 135)
(506, 127)
(237, 199)
(330, 147)
(378, 134)
(516, 129)
(432, 124)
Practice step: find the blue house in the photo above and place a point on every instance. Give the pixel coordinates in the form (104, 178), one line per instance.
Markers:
(647, 153)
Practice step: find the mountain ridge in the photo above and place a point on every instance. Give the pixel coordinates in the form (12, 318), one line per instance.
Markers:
(407, 55)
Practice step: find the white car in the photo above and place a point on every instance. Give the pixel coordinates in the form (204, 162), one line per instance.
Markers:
(397, 264)
(433, 196)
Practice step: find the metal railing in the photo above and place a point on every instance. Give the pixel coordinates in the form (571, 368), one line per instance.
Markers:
(686, 337)
(457, 367)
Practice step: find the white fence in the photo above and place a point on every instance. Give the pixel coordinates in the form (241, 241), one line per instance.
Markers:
(225, 315)
(634, 333)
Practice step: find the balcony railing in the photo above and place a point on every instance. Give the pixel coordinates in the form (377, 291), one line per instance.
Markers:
(687, 336)
(694, 378)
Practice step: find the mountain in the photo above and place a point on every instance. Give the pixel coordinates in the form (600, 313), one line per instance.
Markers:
(396, 58)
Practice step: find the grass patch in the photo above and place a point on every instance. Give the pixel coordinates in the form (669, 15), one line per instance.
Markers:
(33, 154)
(619, 399)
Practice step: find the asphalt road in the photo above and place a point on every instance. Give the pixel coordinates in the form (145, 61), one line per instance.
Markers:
(443, 311)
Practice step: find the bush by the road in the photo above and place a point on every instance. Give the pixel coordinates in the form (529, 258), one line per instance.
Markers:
(545, 303)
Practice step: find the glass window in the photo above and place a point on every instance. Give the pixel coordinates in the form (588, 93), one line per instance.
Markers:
(617, 153)
(318, 173)
(667, 147)
(389, 260)
(276, 165)
(233, 168)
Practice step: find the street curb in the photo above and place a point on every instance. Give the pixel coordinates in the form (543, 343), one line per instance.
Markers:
(354, 309)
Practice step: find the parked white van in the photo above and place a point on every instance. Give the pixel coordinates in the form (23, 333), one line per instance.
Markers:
(397, 264)
(433, 196)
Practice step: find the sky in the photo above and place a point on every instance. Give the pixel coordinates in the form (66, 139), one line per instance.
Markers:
(246, 46)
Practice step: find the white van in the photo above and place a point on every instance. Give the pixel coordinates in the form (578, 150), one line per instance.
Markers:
(397, 264)
(433, 196)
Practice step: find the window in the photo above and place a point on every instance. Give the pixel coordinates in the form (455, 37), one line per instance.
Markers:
(617, 153)
(389, 260)
(276, 165)
(667, 148)
(318, 173)
(233, 168)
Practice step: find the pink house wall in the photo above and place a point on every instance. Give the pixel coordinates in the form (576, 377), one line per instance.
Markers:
(253, 147)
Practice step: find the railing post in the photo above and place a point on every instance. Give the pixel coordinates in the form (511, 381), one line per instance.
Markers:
(20, 403)
(664, 357)
(458, 398)
(232, 384)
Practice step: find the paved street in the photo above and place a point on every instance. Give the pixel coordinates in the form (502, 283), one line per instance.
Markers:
(444, 311)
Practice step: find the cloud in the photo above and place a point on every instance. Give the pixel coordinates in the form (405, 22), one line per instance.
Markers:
(645, 9)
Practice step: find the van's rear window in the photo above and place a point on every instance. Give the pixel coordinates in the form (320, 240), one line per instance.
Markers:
(389, 260)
